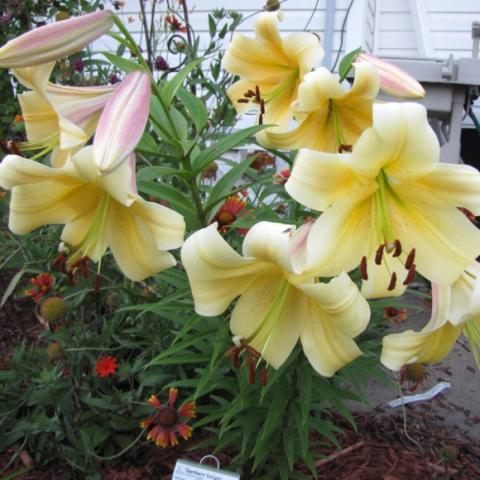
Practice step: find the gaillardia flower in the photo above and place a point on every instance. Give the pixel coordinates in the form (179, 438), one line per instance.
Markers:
(168, 422)
(55, 41)
(328, 117)
(42, 284)
(455, 310)
(276, 307)
(59, 117)
(389, 206)
(271, 68)
(98, 212)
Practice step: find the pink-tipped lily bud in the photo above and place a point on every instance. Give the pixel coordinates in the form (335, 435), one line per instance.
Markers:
(55, 41)
(393, 80)
(122, 122)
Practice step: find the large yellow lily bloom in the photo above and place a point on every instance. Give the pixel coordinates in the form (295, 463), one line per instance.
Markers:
(275, 309)
(273, 65)
(98, 212)
(389, 206)
(58, 116)
(328, 116)
(455, 309)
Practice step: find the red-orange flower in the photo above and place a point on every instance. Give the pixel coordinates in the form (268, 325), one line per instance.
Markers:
(282, 176)
(168, 421)
(175, 25)
(229, 212)
(106, 365)
(397, 315)
(42, 284)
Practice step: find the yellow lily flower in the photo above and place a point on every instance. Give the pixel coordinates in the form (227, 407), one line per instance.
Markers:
(60, 117)
(275, 308)
(389, 206)
(328, 116)
(455, 310)
(271, 68)
(98, 212)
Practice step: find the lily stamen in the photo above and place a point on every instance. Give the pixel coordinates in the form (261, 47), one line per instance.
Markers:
(398, 248)
(379, 254)
(410, 275)
(393, 282)
(410, 259)
(363, 268)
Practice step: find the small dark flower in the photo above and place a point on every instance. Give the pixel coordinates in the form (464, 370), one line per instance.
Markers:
(114, 79)
(78, 65)
(161, 64)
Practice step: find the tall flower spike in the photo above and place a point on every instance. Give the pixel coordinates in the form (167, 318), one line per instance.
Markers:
(98, 212)
(122, 122)
(393, 80)
(60, 117)
(391, 191)
(276, 308)
(455, 310)
(328, 117)
(271, 68)
(55, 41)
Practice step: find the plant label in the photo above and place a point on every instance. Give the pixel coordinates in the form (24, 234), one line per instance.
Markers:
(185, 470)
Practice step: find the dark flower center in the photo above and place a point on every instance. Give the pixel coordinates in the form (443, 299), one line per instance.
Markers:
(167, 417)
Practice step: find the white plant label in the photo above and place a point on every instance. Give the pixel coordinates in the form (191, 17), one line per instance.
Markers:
(185, 470)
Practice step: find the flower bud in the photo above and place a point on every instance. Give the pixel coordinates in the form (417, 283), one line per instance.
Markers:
(55, 41)
(54, 351)
(393, 80)
(122, 122)
(53, 309)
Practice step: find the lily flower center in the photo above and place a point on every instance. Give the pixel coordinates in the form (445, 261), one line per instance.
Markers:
(95, 235)
(385, 242)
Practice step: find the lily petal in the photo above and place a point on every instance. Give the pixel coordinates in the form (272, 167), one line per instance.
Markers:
(216, 272)
(268, 241)
(272, 314)
(460, 184)
(336, 314)
(318, 179)
(446, 242)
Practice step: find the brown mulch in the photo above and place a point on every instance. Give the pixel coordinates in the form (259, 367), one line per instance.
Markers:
(17, 319)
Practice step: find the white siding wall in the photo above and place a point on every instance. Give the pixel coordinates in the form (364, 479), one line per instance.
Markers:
(448, 26)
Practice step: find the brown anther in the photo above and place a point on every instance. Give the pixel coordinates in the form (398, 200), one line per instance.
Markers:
(260, 119)
(250, 93)
(379, 254)
(363, 268)
(264, 376)
(243, 100)
(251, 368)
(393, 282)
(262, 106)
(345, 148)
(398, 248)
(257, 93)
(410, 274)
(234, 355)
(97, 282)
(60, 262)
(410, 259)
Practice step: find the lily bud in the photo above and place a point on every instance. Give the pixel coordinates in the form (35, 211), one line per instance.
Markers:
(55, 41)
(122, 122)
(393, 80)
